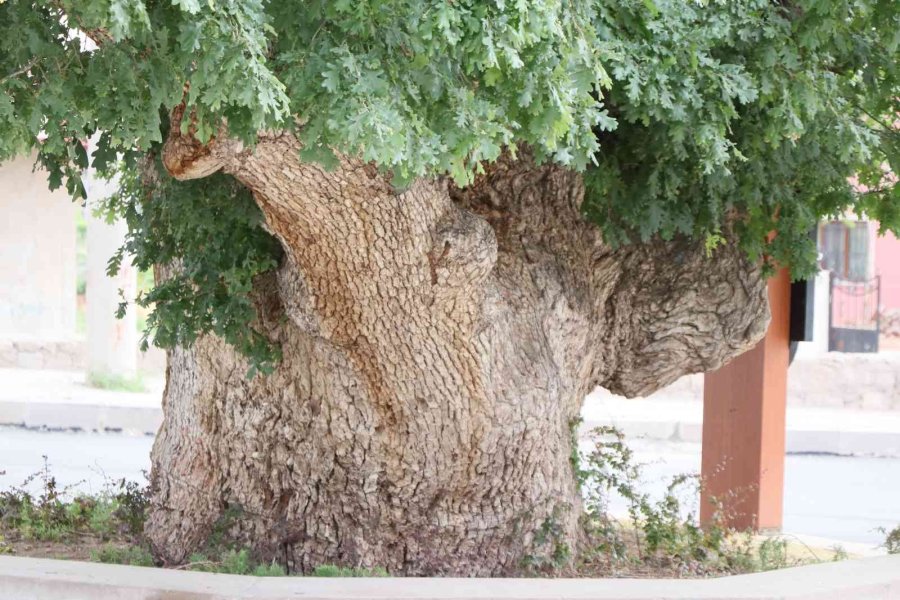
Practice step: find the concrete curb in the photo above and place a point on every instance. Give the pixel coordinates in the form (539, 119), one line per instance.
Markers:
(843, 431)
(143, 420)
(139, 420)
(54, 399)
(43, 579)
(808, 441)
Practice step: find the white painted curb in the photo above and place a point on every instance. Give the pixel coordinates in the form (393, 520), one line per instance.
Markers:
(43, 579)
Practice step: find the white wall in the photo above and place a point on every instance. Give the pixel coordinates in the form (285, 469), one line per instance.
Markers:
(112, 343)
(37, 256)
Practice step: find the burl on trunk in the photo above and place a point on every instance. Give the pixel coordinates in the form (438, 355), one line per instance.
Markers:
(438, 343)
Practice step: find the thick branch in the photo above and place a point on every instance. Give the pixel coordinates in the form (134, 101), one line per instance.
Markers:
(652, 312)
(185, 157)
(633, 319)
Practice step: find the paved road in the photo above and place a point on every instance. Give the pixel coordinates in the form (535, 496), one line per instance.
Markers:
(841, 498)
(84, 460)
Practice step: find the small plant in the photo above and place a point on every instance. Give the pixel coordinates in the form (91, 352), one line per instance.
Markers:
(59, 515)
(773, 554)
(136, 556)
(41, 517)
(234, 562)
(575, 456)
(662, 533)
(550, 536)
(838, 553)
(130, 501)
(891, 540)
(269, 570)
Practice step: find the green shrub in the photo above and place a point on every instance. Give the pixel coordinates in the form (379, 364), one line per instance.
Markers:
(664, 532)
(56, 515)
(773, 554)
(137, 556)
(892, 540)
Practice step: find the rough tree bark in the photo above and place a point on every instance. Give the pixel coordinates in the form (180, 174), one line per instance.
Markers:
(438, 343)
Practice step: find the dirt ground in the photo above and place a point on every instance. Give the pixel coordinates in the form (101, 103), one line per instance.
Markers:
(79, 548)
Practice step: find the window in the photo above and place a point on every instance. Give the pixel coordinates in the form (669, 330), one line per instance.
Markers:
(845, 249)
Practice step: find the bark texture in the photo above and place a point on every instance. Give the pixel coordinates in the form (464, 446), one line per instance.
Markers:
(438, 344)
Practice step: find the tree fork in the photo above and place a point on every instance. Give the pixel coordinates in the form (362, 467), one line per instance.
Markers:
(437, 344)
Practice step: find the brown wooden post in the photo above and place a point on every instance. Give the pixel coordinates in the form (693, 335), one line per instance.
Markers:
(744, 406)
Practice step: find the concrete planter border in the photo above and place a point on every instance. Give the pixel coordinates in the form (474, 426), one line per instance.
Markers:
(44, 579)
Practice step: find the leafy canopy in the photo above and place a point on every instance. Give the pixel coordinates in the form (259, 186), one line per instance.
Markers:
(686, 116)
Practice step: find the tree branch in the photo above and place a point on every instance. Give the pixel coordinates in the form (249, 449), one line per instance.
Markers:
(24, 69)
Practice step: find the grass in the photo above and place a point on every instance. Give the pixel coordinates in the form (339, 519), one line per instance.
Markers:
(56, 515)
(119, 383)
(335, 571)
(136, 556)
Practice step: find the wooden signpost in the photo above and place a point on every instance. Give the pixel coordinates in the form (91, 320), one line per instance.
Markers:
(744, 406)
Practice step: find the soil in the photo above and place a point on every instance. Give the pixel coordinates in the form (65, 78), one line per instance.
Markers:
(79, 547)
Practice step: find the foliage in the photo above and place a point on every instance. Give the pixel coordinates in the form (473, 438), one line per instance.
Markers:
(759, 109)
(54, 514)
(208, 232)
(892, 540)
(552, 553)
(773, 554)
(662, 534)
(838, 553)
(704, 118)
(136, 556)
(660, 537)
(222, 554)
(234, 562)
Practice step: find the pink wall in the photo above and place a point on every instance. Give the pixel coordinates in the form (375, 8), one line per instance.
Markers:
(887, 264)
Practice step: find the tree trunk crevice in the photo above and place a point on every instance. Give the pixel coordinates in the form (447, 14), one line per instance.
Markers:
(438, 343)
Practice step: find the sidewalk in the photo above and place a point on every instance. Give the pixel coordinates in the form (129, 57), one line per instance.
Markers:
(62, 400)
(44, 579)
(844, 431)
(51, 399)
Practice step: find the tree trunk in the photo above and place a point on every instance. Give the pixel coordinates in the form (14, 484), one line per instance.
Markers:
(438, 344)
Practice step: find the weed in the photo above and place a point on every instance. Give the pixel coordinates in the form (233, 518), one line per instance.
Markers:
(137, 556)
(659, 536)
(550, 538)
(772, 554)
(575, 456)
(662, 533)
(57, 515)
(335, 571)
(234, 562)
(838, 553)
(45, 517)
(891, 540)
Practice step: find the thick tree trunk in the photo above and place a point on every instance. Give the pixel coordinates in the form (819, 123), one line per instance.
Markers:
(438, 344)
